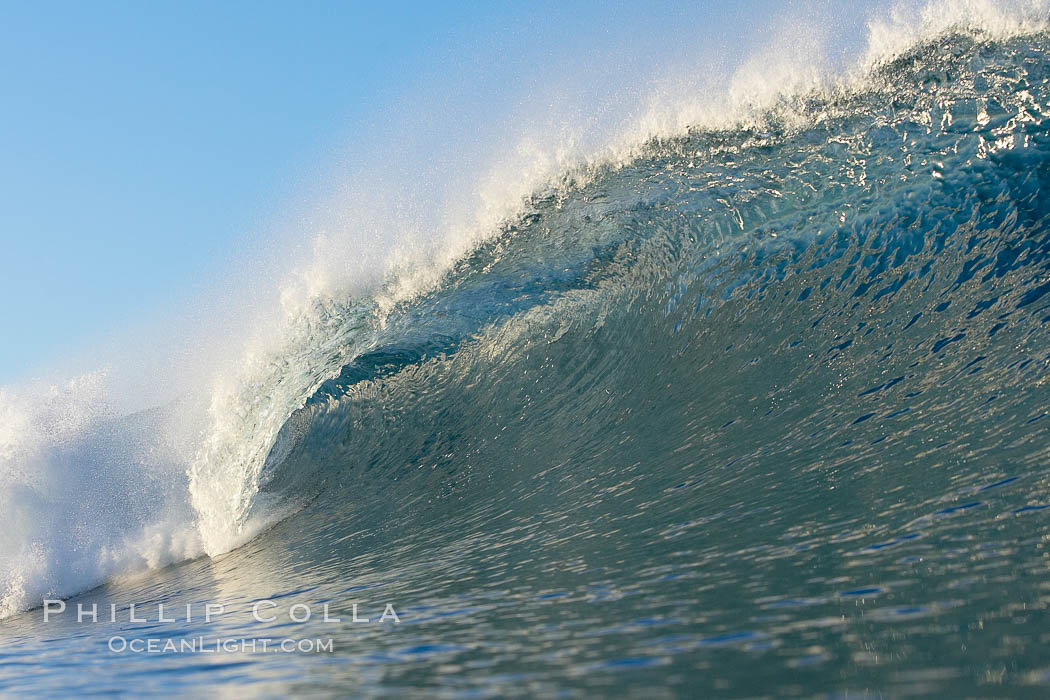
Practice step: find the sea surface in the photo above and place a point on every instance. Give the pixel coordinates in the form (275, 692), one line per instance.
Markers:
(762, 411)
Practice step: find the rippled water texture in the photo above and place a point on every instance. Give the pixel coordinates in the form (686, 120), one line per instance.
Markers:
(762, 412)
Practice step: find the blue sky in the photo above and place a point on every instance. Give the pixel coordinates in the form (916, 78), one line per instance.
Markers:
(140, 142)
(142, 145)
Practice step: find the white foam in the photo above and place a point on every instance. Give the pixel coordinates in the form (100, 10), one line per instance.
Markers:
(909, 24)
(79, 501)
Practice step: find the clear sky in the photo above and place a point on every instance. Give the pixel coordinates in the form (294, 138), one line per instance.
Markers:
(141, 144)
(140, 141)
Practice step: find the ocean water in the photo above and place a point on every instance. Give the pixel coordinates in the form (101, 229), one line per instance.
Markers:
(761, 410)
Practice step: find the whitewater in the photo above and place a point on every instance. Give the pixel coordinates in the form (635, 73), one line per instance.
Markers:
(751, 385)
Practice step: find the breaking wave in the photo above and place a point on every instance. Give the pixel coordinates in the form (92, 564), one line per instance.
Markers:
(811, 260)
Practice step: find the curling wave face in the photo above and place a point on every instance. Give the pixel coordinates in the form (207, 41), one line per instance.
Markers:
(777, 294)
(828, 324)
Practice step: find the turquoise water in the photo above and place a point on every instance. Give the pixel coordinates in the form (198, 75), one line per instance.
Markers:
(761, 412)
